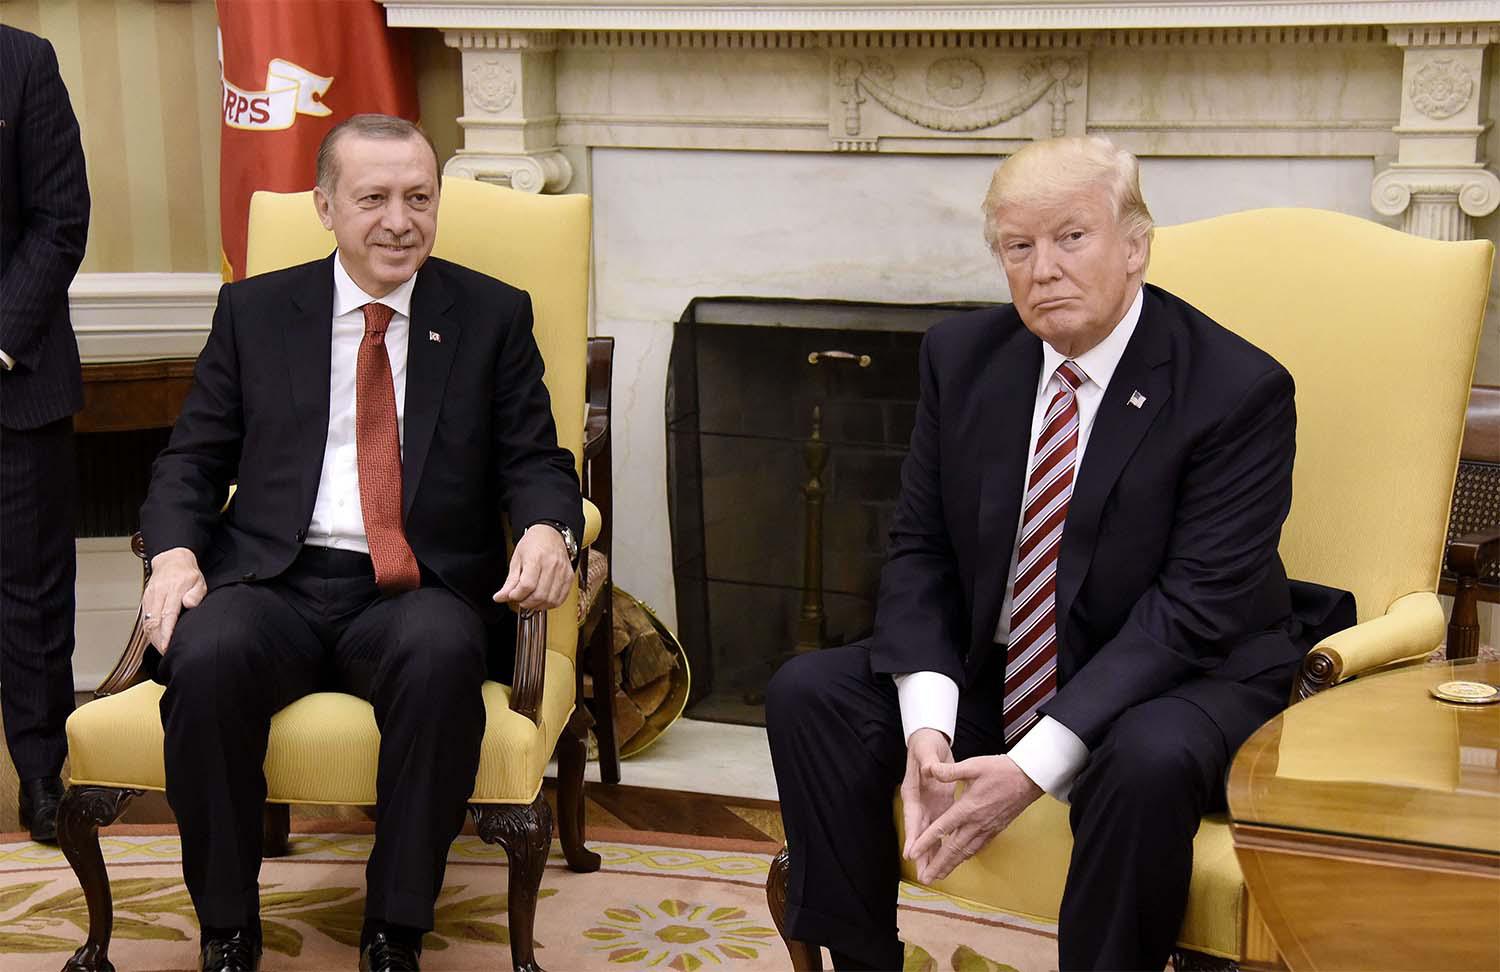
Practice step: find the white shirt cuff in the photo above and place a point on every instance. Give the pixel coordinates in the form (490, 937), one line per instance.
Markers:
(1051, 754)
(928, 700)
(7, 361)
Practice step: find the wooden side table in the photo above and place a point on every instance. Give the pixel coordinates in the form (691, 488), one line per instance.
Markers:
(1367, 823)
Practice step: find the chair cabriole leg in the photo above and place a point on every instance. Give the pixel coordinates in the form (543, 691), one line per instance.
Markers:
(571, 755)
(276, 830)
(526, 834)
(805, 957)
(84, 809)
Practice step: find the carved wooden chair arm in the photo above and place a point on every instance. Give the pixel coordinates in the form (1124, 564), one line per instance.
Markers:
(1409, 629)
(531, 665)
(128, 670)
(601, 351)
(1474, 555)
(598, 457)
(1470, 558)
(526, 688)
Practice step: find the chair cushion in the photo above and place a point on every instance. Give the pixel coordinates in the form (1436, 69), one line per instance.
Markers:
(323, 747)
(595, 573)
(1021, 873)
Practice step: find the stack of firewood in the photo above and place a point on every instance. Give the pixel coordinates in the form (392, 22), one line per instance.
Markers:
(644, 666)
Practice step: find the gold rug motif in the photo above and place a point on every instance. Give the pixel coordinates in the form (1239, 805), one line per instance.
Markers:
(652, 905)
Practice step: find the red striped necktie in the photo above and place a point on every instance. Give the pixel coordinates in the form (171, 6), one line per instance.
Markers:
(377, 443)
(1031, 656)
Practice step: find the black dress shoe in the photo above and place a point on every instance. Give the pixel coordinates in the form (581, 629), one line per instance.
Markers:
(384, 954)
(230, 951)
(38, 806)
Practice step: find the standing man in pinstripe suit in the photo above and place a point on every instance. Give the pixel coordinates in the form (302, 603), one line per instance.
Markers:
(44, 218)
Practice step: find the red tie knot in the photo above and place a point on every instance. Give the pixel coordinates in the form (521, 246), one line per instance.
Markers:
(377, 319)
(1071, 374)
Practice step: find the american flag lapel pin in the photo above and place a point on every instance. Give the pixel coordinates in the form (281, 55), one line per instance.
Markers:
(437, 338)
(1137, 399)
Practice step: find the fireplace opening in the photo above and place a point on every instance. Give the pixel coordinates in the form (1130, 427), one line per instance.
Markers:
(787, 421)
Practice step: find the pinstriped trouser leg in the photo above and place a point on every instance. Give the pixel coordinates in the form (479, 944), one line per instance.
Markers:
(38, 568)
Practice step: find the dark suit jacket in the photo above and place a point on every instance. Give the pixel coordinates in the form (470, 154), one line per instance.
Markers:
(1168, 567)
(44, 222)
(478, 438)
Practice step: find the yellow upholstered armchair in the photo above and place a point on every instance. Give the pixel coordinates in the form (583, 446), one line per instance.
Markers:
(323, 747)
(1379, 329)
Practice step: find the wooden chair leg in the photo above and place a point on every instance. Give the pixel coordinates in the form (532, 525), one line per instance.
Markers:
(1463, 624)
(276, 830)
(805, 957)
(84, 809)
(526, 834)
(571, 755)
(602, 666)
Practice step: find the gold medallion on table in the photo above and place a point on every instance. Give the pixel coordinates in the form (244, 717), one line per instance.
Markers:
(1468, 693)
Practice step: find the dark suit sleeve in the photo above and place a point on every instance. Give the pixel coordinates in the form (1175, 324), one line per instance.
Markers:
(54, 199)
(536, 474)
(920, 622)
(1236, 490)
(190, 479)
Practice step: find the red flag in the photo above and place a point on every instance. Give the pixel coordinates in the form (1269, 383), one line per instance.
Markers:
(290, 71)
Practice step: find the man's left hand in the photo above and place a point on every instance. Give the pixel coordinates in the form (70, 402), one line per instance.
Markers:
(540, 571)
(995, 792)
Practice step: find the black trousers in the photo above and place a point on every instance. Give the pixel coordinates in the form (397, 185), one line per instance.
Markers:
(249, 650)
(38, 569)
(839, 753)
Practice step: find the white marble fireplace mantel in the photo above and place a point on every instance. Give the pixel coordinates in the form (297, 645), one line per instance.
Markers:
(1402, 82)
(920, 15)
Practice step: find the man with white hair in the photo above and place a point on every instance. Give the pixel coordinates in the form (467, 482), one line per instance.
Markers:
(1083, 595)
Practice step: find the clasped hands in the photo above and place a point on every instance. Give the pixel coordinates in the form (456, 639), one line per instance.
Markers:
(943, 827)
(539, 579)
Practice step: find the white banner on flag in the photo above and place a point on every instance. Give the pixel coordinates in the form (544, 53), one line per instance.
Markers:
(290, 90)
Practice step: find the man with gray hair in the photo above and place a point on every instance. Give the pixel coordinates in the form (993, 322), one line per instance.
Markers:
(1082, 597)
(364, 549)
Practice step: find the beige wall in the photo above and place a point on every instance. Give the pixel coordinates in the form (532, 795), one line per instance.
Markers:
(143, 76)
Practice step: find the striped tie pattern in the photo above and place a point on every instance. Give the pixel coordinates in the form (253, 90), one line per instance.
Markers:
(1031, 656)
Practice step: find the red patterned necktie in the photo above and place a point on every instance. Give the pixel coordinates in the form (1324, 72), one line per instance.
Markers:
(1031, 656)
(378, 443)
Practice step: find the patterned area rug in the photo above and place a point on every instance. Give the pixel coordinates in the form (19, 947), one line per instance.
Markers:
(660, 901)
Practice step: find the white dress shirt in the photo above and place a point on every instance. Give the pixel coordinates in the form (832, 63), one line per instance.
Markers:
(338, 519)
(1050, 753)
(6, 361)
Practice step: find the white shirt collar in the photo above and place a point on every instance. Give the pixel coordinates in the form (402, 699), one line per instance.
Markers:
(348, 296)
(1100, 361)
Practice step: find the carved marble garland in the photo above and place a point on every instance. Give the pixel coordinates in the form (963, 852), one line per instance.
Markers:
(954, 84)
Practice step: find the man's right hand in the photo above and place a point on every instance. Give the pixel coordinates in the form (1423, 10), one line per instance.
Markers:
(924, 799)
(176, 584)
